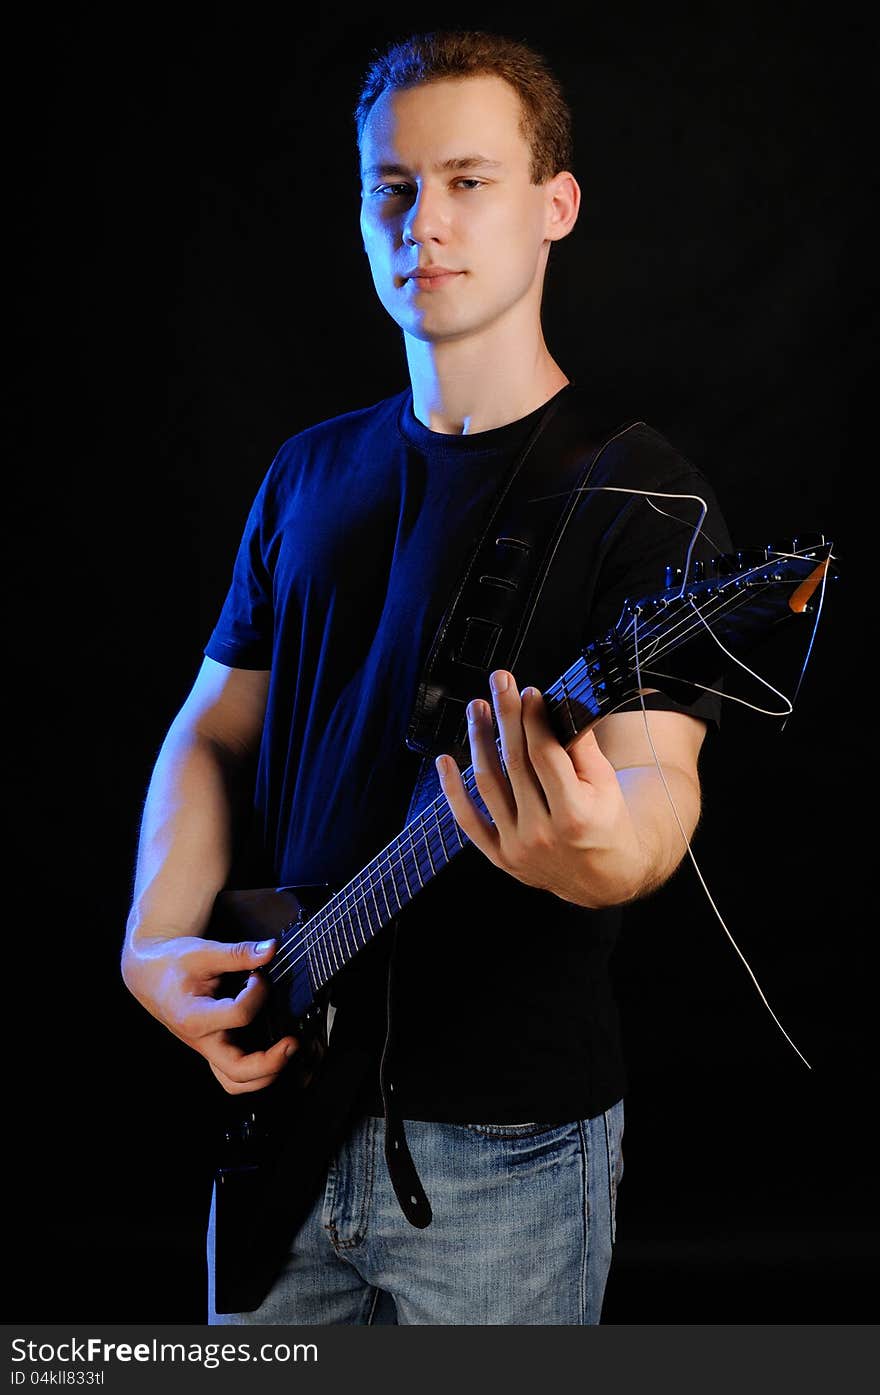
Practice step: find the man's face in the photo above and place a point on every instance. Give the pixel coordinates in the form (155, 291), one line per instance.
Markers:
(445, 184)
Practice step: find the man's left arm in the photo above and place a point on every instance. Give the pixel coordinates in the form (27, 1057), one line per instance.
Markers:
(597, 824)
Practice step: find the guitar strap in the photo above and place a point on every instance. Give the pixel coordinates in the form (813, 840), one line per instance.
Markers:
(484, 627)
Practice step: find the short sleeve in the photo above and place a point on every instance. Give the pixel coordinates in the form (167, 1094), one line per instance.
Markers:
(243, 634)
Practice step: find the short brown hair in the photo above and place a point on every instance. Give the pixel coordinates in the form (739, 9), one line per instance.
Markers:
(452, 53)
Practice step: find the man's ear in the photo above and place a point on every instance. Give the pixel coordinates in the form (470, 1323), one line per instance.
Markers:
(563, 204)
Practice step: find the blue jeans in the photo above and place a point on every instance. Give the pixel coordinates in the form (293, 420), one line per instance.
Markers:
(523, 1230)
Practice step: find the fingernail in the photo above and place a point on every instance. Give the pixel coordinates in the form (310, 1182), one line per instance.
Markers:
(289, 1049)
(500, 681)
(442, 765)
(263, 947)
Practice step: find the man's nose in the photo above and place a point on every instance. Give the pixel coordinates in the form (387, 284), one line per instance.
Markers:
(426, 220)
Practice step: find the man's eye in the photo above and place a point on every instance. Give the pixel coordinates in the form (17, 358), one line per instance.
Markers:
(470, 183)
(393, 191)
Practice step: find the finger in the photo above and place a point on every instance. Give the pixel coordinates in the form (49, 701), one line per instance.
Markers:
(234, 1087)
(589, 761)
(210, 957)
(238, 1070)
(469, 818)
(492, 784)
(200, 1014)
(528, 794)
(551, 762)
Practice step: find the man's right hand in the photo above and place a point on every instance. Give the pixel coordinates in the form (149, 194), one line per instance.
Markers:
(176, 979)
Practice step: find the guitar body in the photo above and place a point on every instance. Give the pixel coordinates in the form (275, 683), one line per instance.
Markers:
(277, 1142)
(279, 913)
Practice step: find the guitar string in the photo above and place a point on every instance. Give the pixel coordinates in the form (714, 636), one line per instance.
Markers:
(349, 898)
(693, 859)
(358, 891)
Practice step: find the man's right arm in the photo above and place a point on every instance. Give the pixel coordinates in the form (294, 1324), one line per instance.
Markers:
(183, 860)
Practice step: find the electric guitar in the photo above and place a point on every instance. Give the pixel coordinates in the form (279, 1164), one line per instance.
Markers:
(274, 1156)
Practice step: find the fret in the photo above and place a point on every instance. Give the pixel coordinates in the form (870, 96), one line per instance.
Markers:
(376, 904)
(415, 856)
(385, 894)
(358, 914)
(428, 849)
(353, 931)
(440, 830)
(350, 944)
(363, 901)
(345, 917)
(312, 967)
(315, 972)
(332, 939)
(307, 938)
(321, 954)
(403, 857)
(395, 856)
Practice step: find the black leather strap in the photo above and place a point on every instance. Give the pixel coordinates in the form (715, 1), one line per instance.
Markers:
(484, 627)
(495, 598)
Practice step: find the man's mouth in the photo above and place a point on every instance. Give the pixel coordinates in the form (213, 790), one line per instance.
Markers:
(425, 278)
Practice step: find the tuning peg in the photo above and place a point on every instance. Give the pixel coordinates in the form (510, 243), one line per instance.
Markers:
(803, 545)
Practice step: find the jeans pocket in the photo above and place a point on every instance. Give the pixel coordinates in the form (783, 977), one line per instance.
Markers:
(510, 1130)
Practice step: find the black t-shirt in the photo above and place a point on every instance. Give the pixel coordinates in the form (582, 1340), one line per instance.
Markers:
(503, 1008)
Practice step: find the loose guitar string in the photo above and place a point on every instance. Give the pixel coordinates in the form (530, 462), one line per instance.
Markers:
(731, 697)
(789, 709)
(690, 851)
(350, 900)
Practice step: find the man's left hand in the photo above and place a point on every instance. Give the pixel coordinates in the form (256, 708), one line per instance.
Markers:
(559, 815)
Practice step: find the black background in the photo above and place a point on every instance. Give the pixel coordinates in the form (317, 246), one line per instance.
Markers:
(193, 291)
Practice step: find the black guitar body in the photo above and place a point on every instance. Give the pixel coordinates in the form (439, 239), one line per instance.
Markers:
(277, 1142)
(278, 913)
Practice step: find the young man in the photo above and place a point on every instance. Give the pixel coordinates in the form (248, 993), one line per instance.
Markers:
(507, 1070)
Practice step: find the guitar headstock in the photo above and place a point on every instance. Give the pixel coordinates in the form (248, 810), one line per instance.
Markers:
(792, 570)
(685, 633)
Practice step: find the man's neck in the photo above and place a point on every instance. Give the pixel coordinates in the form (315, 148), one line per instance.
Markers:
(467, 386)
